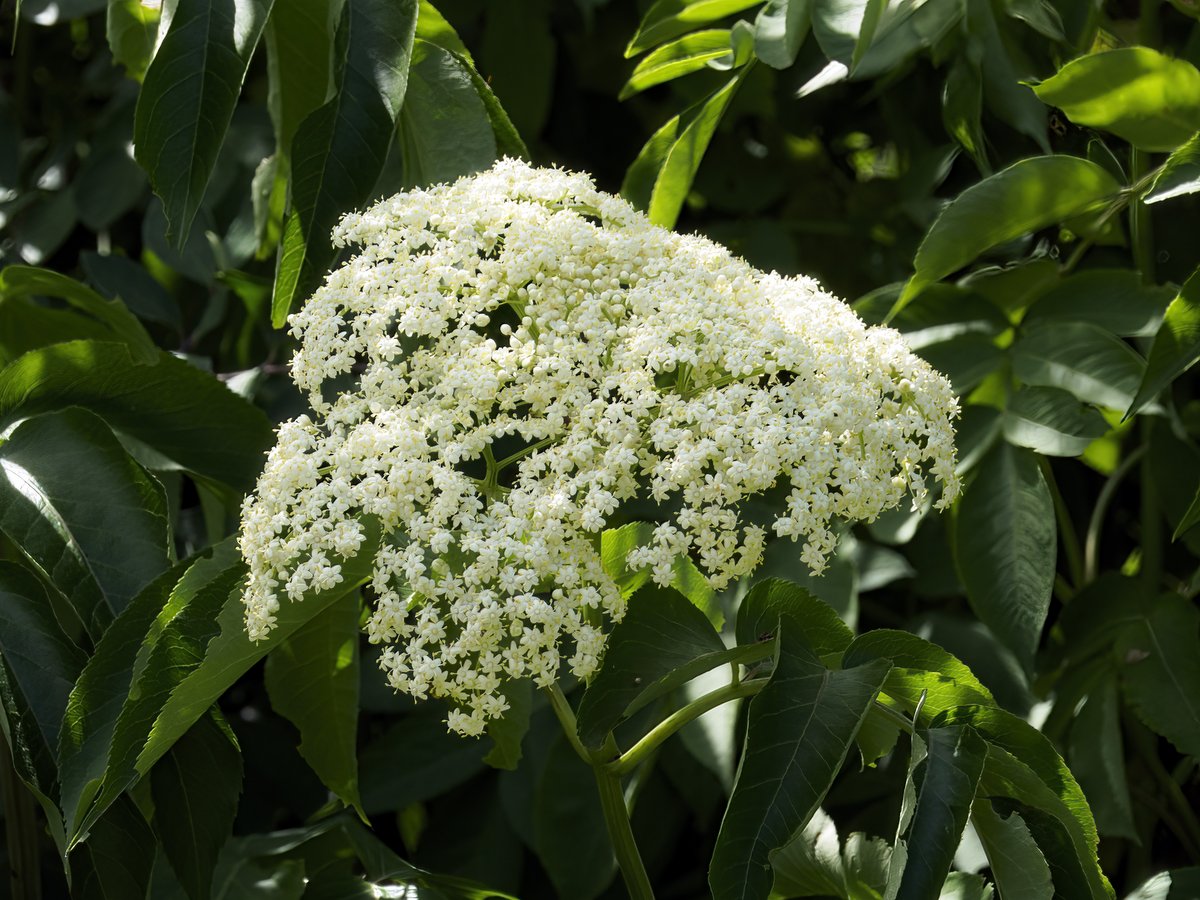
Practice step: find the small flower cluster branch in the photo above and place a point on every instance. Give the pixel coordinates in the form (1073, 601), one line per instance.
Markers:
(511, 358)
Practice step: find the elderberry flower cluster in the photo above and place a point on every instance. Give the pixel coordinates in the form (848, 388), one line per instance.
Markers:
(508, 361)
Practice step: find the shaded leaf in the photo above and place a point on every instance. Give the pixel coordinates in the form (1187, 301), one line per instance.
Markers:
(312, 679)
(688, 54)
(1084, 359)
(508, 732)
(187, 100)
(1115, 299)
(800, 728)
(780, 30)
(118, 855)
(120, 277)
(132, 30)
(1018, 865)
(1176, 345)
(1051, 421)
(1098, 760)
(1005, 543)
(768, 601)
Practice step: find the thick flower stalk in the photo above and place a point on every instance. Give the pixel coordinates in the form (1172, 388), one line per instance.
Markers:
(510, 360)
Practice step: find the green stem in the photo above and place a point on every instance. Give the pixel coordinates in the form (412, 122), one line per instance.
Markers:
(21, 830)
(1145, 744)
(672, 723)
(1091, 544)
(1066, 527)
(620, 832)
(566, 717)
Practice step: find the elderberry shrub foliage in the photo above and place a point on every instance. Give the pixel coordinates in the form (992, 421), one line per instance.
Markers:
(560, 511)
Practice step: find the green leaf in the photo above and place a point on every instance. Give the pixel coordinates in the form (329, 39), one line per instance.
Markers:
(1018, 866)
(415, 760)
(508, 732)
(433, 27)
(1160, 671)
(1025, 197)
(508, 141)
(662, 642)
(1178, 884)
(524, 80)
(1098, 760)
(845, 28)
(1115, 299)
(195, 788)
(773, 599)
(1051, 421)
(659, 179)
(1176, 345)
(118, 856)
(1136, 93)
(312, 679)
(187, 100)
(1179, 176)
(689, 54)
(445, 131)
(132, 30)
(945, 312)
(950, 766)
(617, 543)
(908, 29)
(1093, 364)
(186, 415)
(23, 281)
(962, 107)
(90, 519)
(339, 149)
(800, 728)
(1004, 545)
(120, 277)
(667, 19)
(780, 30)
(814, 864)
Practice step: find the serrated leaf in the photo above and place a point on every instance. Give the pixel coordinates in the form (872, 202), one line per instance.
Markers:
(187, 100)
(617, 543)
(1115, 299)
(780, 30)
(1092, 364)
(1025, 197)
(1018, 865)
(1179, 176)
(659, 179)
(118, 856)
(1176, 346)
(89, 518)
(1005, 544)
(195, 787)
(688, 54)
(1160, 671)
(1136, 93)
(339, 149)
(800, 728)
(662, 642)
(667, 19)
(769, 600)
(445, 131)
(186, 415)
(24, 281)
(312, 679)
(1051, 421)
(948, 776)
(1098, 760)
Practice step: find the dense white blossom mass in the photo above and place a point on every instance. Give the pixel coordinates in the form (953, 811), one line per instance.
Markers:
(511, 358)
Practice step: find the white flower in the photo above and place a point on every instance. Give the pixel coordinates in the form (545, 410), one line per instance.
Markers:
(511, 358)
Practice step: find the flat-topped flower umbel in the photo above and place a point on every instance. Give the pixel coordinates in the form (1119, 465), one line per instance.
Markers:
(511, 358)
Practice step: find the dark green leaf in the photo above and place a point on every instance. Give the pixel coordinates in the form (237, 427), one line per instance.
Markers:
(1176, 345)
(132, 29)
(774, 598)
(118, 855)
(28, 325)
(1018, 865)
(690, 53)
(962, 107)
(1098, 760)
(780, 29)
(339, 149)
(508, 732)
(1025, 197)
(184, 414)
(845, 28)
(1004, 63)
(23, 281)
(815, 864)
(445, 131)
(121, 278)
(661, 637)
(1084, 359)
(523, 80)
(1136, 93)
(1180, 174)
(659, 179)
(910, 29)
(91, 520)
(433, 27)
(312, 679)
(945, 312)
(949, 773)
(1051, 421)
(1161, 669)
(1005, 543)
(667, 19)
(187, 100)
(799, 730)
(195, 788)
(1115, 299)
